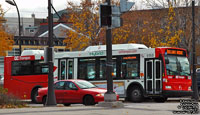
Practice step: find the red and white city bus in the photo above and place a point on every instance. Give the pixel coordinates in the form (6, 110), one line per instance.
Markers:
(137, 72)
(23, 75)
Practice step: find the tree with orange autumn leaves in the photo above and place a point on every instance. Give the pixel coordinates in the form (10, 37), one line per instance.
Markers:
(138, 27)
(85, 25)
(6, 40)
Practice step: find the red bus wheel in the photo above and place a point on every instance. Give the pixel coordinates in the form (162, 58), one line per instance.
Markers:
(34, 95)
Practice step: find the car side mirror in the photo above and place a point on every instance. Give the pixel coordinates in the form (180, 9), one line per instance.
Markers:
(74, 88)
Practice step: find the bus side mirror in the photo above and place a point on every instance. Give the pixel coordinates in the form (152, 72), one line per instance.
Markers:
(166, 61)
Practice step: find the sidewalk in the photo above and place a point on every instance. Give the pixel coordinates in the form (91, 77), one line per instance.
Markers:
(129, 109)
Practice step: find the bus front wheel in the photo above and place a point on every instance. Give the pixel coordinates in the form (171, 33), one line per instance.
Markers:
(136, 94)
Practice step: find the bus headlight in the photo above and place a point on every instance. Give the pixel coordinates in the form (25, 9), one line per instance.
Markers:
(189, 88)
(168, 87)
(100, 94)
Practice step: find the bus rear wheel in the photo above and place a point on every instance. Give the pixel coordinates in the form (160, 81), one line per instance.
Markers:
(136, 94)
(34, 95)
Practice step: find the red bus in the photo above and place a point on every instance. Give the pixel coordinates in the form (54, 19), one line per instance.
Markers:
(23, 75)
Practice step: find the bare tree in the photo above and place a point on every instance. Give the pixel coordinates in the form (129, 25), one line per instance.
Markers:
(157, 4)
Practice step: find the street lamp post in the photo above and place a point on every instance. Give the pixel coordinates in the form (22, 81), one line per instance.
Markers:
(51, 99)
(13, 3)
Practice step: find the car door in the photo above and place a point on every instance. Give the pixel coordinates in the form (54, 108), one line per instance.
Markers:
(72, 93)
(59, 91)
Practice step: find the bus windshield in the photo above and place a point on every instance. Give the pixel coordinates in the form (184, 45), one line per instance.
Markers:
(177, 65)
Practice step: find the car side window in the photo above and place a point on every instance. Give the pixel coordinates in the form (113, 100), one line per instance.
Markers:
(70, 86)
(59, 85)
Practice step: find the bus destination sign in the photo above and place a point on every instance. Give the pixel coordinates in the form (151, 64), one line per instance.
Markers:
(175, 52)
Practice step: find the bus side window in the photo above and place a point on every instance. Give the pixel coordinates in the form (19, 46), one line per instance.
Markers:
(45, 69)
(91, 71)
(130, 67)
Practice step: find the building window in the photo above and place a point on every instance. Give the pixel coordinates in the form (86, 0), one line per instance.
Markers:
(14, 52)
(31, 30)
(26, 42)
(31, 42)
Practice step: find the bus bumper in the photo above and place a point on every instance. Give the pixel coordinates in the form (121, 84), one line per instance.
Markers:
(177, 93)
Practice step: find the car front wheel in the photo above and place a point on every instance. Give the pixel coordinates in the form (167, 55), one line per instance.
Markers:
(88, 100)
(44, 99)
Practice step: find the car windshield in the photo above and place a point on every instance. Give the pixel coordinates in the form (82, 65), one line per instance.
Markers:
(177, 65)
(85, 84)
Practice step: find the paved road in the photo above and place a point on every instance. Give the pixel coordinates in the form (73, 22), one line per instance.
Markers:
(145, 108)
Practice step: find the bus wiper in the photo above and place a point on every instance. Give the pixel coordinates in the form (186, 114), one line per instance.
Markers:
(174, 72)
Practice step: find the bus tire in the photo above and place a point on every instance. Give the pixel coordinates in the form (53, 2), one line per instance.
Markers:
(160, 99)
(34, 95)
(88, 100)
(136, 94)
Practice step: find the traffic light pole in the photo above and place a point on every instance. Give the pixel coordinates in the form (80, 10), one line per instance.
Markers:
(110, 95)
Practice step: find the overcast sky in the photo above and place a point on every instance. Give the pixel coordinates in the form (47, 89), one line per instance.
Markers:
(28, 7)
(38, 7)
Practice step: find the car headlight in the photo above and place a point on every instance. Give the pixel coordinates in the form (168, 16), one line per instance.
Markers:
(100, 94)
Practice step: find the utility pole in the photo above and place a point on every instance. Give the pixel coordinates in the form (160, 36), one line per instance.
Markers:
(51, 98)
(195, 95)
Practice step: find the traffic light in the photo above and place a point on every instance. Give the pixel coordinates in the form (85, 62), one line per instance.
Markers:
(110, 15)
(105, 15)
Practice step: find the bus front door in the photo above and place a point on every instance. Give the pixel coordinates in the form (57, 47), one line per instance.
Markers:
(153, 77)
(62, 69)
(70, 68)
(66, 69)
